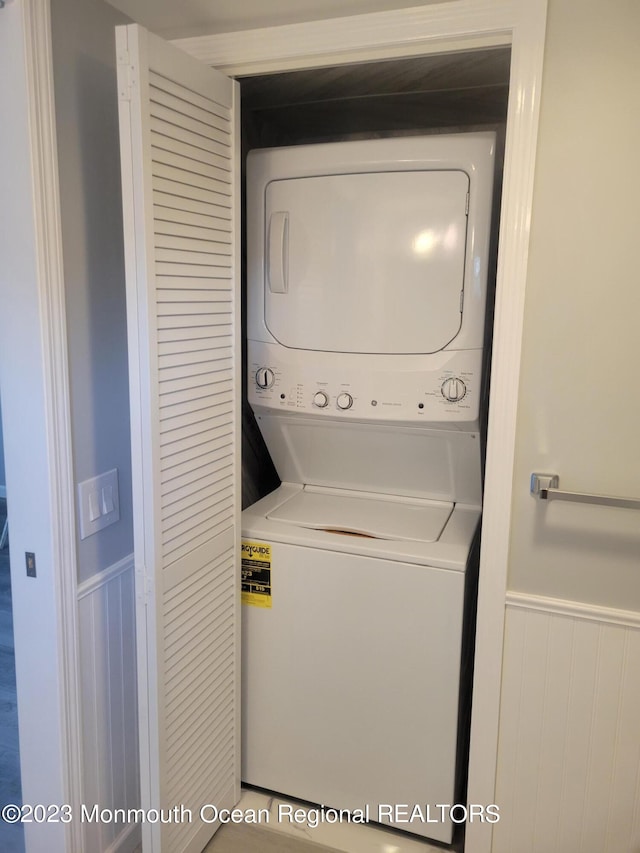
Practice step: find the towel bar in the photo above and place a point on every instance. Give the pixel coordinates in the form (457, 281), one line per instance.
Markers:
(545, 487)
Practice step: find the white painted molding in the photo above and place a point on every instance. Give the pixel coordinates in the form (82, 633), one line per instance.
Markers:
(105, 576)
(50, 275)
(573, 609)
(567, 775)
(111, 768)
(458, 25)
(455, 25)
(527, 51)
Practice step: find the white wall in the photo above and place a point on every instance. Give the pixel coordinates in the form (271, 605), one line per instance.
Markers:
(91, 208)
(84, 66)
(579, 403)
(569, 753)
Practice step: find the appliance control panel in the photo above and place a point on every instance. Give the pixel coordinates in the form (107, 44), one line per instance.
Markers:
(441, 388)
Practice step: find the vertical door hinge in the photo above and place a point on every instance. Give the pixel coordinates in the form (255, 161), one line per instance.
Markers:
(466, 206)
(125, 76)
(144, 585)
(461, 300)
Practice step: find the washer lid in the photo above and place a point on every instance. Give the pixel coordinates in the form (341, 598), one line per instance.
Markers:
(365, 514)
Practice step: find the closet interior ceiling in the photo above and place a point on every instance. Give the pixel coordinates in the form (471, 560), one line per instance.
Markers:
(408, 95)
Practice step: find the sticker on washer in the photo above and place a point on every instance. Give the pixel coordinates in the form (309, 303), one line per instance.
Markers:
(256, 573)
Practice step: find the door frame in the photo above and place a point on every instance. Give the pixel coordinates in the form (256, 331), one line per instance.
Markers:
(40, 477)
(434, 28)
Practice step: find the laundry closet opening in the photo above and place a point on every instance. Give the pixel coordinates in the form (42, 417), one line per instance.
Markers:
(401, 591)
(438, 93)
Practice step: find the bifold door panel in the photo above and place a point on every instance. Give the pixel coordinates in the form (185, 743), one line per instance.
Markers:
(180, 199)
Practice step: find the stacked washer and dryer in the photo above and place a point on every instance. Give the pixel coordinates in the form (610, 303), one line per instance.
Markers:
(367, 289)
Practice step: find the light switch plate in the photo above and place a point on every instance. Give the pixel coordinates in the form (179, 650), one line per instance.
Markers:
(98, 503)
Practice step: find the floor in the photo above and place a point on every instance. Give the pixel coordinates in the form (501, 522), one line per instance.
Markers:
(284, 836)
(251, 839)
(271, 837)
(11, 835)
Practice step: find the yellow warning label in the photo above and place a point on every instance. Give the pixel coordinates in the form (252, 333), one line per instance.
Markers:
(256, 573)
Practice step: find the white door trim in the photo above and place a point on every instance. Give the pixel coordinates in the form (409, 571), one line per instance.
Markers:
(50, 285)
(431, 28)
(426, 29)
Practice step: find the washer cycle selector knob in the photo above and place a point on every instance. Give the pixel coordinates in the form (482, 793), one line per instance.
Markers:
(344, 401)
(320, 399)
(453, 389)
(264, 377)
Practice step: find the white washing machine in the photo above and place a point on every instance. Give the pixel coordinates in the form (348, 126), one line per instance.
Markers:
(366, 302)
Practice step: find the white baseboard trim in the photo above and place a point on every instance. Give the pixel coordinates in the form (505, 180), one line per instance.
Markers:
(573, 609)
(105, 576)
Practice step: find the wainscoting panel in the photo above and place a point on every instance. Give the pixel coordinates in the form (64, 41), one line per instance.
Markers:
(568, 778)
(106, 608)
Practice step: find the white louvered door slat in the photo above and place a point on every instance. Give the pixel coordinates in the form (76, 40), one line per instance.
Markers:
(179, 140)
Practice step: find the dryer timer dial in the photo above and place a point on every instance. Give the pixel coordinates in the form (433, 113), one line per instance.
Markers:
(453, 389)
(264, 377)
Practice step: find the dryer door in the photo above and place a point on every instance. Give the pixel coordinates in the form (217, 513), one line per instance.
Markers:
(366, 263)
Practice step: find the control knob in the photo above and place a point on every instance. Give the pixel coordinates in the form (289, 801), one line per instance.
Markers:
(320, 399)
(344, 401)
(264, 377)
(453, 389)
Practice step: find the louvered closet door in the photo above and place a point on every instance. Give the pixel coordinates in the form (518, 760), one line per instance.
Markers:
(178, 128)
